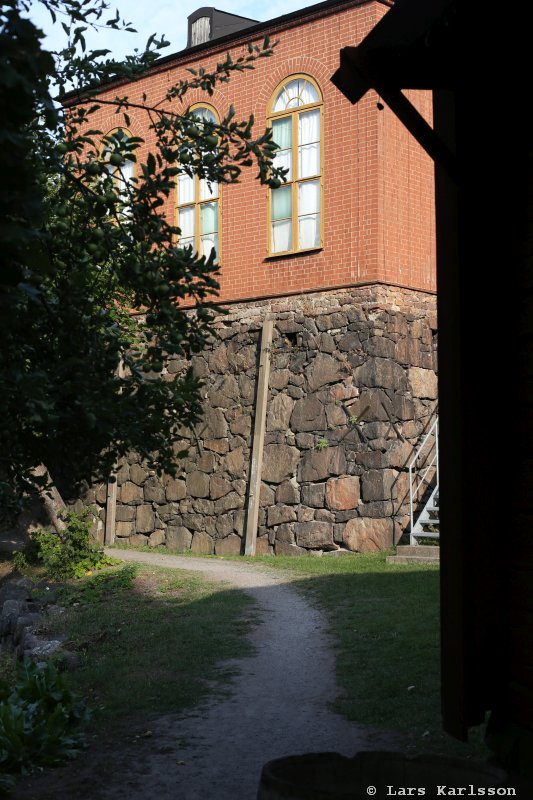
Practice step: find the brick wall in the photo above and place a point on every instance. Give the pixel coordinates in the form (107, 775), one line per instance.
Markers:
(378, 183)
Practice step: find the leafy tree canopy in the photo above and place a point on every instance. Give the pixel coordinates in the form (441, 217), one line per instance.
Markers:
(91, 275)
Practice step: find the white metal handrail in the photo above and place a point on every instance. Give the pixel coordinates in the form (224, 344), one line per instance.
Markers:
(420, 476)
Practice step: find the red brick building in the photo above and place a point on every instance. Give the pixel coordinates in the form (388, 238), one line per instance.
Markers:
(341, 259)
(376, 215)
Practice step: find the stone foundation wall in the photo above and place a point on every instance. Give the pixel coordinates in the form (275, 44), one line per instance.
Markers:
(352, 389)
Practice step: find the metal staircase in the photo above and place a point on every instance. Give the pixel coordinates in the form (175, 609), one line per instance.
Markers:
(423, 502)
(427, 523)
(424, 478)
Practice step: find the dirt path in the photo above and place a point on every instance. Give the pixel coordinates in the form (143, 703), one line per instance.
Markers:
(278, 705)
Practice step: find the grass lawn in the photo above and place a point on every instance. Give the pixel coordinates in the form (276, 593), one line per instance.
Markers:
(151, 640)
(153, 643)
(156, 647)
(385, 620)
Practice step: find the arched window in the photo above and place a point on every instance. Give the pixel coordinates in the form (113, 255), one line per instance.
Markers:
(295, 208)
(117, 166)
(198, 204)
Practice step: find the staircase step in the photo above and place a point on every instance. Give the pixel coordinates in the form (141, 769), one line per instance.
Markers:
(427, 550)
(411, 560)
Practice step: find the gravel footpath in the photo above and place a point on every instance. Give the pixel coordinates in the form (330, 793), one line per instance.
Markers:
(279, 703)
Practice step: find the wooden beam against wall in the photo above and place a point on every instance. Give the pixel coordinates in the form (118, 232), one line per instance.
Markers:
(111, 506)
(252, 511)
(111, 510)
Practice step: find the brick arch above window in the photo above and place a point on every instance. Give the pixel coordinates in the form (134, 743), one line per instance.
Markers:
(300, 65)
(198, 97)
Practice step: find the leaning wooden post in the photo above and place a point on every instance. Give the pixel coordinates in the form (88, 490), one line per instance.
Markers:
(111, 504)
(252, 512)
(111, 511)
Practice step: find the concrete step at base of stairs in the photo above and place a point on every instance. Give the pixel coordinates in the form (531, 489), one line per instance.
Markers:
(415, 554)
(411, 560)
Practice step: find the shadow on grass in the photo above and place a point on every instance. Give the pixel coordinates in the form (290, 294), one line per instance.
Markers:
(386, 631)
(171, 642)
(164, 646)
(385, 623)
(154, 648)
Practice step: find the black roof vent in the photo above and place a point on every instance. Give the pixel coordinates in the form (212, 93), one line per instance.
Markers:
(208, 23)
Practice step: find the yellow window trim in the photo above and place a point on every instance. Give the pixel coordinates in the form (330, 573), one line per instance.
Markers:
(294, 182)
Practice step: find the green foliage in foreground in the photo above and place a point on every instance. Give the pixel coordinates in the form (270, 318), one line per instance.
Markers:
(83, 245)
(39, 721)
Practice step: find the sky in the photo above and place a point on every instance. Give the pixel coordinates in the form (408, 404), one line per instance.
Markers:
(168, 17)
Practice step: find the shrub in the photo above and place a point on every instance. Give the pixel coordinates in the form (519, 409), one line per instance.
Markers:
(38, 719)
(20, 562)
(70, 554)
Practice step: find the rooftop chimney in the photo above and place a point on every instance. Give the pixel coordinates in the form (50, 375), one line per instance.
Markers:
(207, 23)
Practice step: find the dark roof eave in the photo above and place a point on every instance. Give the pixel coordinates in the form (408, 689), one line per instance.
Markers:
(277, 22)
(245, 34)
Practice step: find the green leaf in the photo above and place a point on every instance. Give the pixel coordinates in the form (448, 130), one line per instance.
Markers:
(150, 163)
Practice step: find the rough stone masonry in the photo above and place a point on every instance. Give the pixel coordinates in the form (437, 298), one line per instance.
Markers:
(352, 388)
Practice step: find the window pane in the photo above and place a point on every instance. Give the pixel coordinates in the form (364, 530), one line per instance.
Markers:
(208, 189)
(186, 242)
(127, 171)
(281, 101)
(308, 197)
(281, 203)
(282, 135)
(292, 88)
(185, 189)
(309, 127)
(309, 231)
(292, 92)
(308, 160)
(207, 244)
(283, 158)
(204, 113)
(124, 180)
(209, 218)
(296, 93)
(281, 236)
(282, 132)
(308, 93)
(186, 222)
